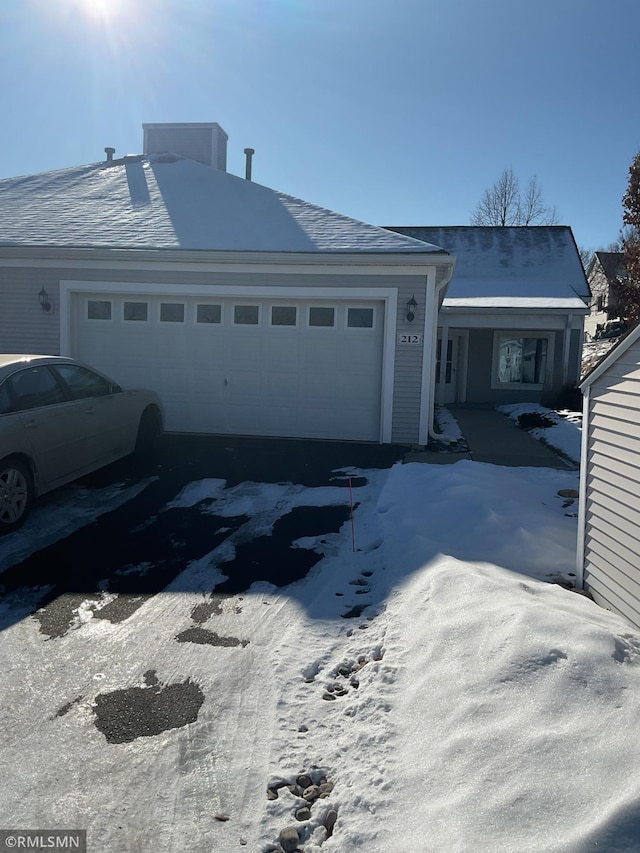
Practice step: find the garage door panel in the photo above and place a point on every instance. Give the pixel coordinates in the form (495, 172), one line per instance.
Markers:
(217, 377)
(244, 386)
(282, 352)
(281, 389)
(208, 349)
(244, 352)
(318, 388)
(319, 354)
(317, 422)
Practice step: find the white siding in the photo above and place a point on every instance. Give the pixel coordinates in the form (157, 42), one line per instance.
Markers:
(612, 498)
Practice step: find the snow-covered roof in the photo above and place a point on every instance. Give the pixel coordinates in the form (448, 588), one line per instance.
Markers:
(518, 267)
(168, 202)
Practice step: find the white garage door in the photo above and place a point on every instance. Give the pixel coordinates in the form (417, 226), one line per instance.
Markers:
(283, 367)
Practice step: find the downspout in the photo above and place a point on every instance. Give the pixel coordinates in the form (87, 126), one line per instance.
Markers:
(433, 301)
(582, 499)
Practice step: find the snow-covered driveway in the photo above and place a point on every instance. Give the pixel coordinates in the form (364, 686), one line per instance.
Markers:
(439, 694)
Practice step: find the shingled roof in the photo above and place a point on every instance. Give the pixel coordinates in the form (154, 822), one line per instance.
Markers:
(169, 202)
(510, 267)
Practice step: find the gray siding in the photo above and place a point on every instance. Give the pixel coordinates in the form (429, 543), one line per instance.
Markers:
(407, 381)
(25, 328)
(612, 508)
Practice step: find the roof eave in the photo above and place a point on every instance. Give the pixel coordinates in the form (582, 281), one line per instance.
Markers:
(334, 258)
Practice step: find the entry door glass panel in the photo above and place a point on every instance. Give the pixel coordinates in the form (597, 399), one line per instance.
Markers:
(448, 367)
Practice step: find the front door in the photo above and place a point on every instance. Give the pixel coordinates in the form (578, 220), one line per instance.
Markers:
(449, 392)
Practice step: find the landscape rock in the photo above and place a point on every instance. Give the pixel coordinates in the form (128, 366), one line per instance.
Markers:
(289, 839)
(303, 813)
(311, 793)
(304, 780)
(568, 493)
(330, 821)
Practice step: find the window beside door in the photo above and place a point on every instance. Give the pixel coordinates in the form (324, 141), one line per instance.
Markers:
(520, 360)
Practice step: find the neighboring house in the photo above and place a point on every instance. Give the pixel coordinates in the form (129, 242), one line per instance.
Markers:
(609, 517)
(606, 270)
(511, 324)
(249, 311)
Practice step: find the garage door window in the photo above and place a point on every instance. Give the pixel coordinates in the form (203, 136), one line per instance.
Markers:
(98, 309)
(284, 315)
(209, 314)
(136, 311)
(322, 316)
(171, 312)
(360, 318)
(246, 315)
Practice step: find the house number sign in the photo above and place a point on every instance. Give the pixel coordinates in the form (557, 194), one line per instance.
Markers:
(409, 339)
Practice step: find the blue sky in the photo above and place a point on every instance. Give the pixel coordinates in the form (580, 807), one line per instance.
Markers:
(397, 113)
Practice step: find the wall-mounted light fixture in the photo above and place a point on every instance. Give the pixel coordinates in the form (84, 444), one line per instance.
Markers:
(43, 296)
(411, 309)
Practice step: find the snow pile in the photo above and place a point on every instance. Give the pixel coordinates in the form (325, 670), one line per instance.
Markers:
(562, 430)
(447, 426)
(517, 704)
(452, 700)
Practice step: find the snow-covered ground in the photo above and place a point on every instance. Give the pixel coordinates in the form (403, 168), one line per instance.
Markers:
(562, 430)
(471, 706)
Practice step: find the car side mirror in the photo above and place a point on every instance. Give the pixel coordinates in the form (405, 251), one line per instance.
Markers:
(114, 388)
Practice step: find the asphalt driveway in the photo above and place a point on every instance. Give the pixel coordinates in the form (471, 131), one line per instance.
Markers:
(135, 549)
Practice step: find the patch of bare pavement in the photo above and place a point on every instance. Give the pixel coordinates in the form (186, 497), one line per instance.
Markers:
(125, 715)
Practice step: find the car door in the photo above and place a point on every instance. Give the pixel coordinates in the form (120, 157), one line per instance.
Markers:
(111, 424)
(50, 424)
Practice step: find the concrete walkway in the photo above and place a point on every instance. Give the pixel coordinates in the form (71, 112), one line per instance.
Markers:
(493, 437)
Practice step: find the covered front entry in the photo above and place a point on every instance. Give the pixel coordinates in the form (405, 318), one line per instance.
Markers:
(298, 367)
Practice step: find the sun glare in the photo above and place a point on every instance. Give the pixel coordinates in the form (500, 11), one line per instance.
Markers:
(101, 10)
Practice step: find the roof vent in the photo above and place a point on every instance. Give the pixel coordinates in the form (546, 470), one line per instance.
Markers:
(249, 152)
(205, 143)
(109, 152)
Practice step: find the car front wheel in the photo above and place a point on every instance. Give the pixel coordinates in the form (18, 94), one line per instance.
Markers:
(149, 434)
(16, 492)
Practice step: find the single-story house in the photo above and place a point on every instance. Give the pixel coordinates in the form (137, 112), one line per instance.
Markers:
(252, 312)
(511, 323)
(609, 516)
(249, 311)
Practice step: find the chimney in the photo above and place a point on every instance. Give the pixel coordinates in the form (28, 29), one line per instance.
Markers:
(109, 152)
(205, 143)
(249, 152)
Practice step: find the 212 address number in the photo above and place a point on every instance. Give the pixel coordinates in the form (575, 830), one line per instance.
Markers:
(409, 339)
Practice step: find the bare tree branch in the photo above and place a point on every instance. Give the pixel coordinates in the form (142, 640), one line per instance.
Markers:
(505, 204)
